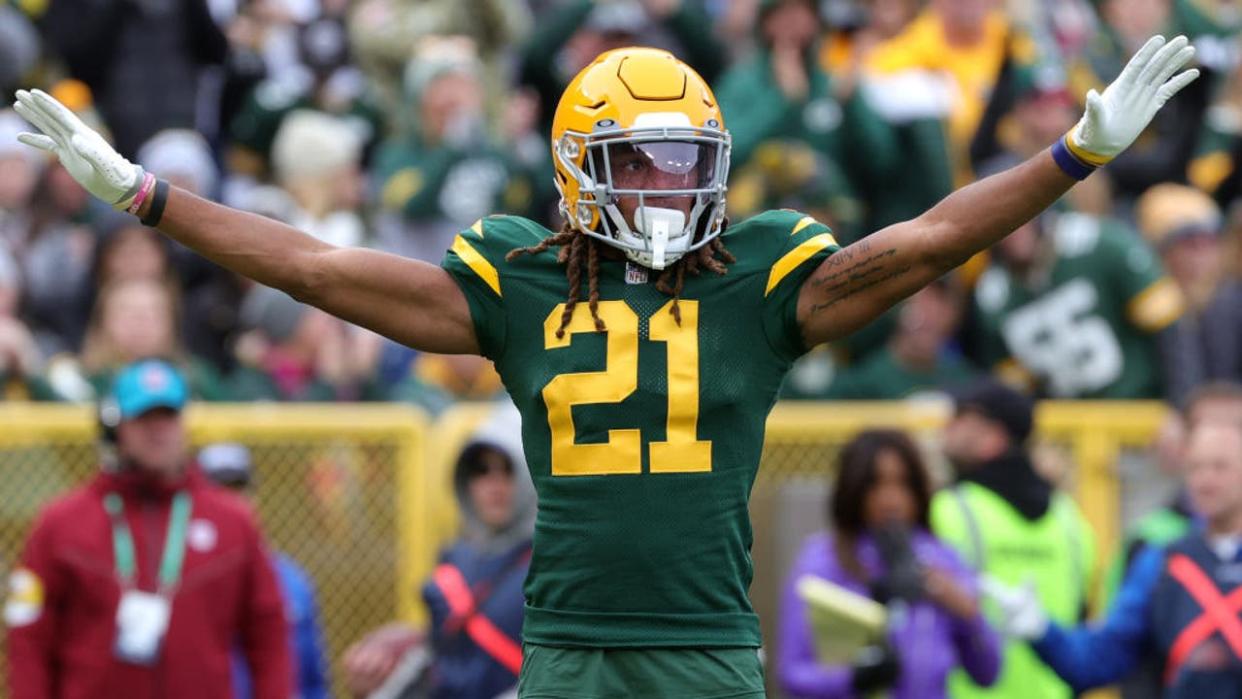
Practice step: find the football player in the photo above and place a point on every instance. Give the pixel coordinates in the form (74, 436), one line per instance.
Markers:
(645, 381)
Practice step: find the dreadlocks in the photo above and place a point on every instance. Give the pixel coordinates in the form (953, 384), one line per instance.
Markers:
(574, 246)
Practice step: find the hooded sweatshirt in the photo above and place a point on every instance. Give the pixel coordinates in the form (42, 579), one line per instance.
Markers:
(493, 564)
(1012, 476)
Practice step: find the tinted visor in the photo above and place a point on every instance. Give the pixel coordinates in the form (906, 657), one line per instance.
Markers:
(659, 165)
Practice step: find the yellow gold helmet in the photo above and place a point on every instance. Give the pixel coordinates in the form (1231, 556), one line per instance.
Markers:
(641, 155)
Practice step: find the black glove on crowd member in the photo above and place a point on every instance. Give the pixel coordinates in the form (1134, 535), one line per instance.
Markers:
(878, 668)
(903, 576)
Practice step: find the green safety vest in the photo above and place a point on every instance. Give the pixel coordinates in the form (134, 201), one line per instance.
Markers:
(1056, 552)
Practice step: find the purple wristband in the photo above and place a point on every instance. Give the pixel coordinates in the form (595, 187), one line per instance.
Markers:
(1068, 162)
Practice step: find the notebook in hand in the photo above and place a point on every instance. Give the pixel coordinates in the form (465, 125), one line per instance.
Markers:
(843, 621)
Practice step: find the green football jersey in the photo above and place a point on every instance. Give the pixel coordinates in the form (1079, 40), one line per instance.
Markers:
(1085, 329)
(643, 441)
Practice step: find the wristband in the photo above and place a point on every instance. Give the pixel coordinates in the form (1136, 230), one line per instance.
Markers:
(148, 183)
(132, 192)
(158, 199)
(1068, 162)
(1084, 155)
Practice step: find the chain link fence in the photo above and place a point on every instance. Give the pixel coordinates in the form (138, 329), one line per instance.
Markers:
(360, 495)
(336, 489)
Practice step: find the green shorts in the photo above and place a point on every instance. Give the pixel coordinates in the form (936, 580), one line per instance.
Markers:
(550, 672)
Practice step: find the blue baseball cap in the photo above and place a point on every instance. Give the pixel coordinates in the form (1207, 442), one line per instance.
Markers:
(148, 384)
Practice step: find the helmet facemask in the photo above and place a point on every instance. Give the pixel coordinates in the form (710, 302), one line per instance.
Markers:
(675, 174)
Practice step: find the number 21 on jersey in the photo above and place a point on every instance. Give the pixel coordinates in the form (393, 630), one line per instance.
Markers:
(682, 451)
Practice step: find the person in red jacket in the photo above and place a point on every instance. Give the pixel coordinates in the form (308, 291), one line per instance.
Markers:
(140, 583)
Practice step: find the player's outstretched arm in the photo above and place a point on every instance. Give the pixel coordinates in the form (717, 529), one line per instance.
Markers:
(412, 302)
(863, 280)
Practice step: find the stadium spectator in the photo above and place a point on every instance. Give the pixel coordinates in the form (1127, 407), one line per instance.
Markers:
(1027, 109)
(1166, 148)
(141, 62)
(20, 361)
(96, 610)
(55, 255)
(801, 139)
(576, 31)
(967, 40)
(1176, 604)
(1218, 148)
(228, 464)
(1164, 524)
(1010, 524)
(474, 598)
(856, 28)
(437, 381)
(1216, 18)
(1070, 307)
(293, 352)
(134, 318)
(317, 161)
(19, 47)
(187, 158)
(1218, 401)
(1205, 344)
(126, 250)
(384, 34)
(210, 294)
(448, 172)
(881, 546)
(19, 175)
(919, 356)
(309, 69)
(1211, 402)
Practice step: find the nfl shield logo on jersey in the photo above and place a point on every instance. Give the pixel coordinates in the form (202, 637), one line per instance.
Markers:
(635, 274)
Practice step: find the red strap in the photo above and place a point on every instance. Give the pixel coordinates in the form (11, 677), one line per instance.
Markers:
(1219, 614)
(492, 640)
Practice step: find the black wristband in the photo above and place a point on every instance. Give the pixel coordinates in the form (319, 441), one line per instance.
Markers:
(158, 199)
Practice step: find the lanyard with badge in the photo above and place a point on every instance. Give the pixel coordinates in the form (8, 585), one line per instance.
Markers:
(142, 617)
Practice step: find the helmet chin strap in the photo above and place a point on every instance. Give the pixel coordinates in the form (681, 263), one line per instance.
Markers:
(659, 224)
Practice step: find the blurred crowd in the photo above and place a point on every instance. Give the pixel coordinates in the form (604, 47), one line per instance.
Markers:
(396, 123)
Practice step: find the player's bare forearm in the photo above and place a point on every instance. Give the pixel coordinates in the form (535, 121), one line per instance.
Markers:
(862, 281)
(253, 246)
(409, 301)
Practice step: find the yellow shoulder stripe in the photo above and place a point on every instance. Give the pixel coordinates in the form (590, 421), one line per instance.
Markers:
(1157, 306)
(806, 221)
(477, 227)
(477, 262)
(790, 260)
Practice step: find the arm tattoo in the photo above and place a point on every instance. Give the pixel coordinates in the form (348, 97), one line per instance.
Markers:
(852, 271)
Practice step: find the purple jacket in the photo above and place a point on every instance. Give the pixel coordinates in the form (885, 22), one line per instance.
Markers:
(930, 643)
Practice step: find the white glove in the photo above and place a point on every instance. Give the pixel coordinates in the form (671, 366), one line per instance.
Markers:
(84, 153)
(1114, 119)
(1022, 615)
